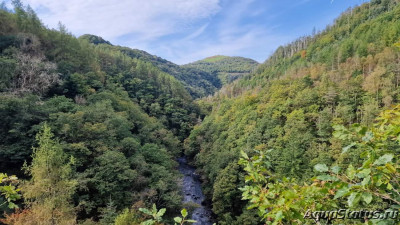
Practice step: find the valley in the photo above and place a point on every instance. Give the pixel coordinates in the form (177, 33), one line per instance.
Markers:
(94, 133)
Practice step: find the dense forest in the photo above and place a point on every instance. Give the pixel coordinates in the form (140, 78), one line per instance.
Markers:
(109, 123)
(90, 132)
(198, 82)
(227, 69)
(305, 127)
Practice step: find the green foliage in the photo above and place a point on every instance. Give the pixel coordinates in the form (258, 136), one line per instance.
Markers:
(375, 177)
(127, 217)
(197, 82)
(344, 75)
(130, 217)
(227, 69)
(9, 193)
(154, 213)
(123, 113)
(111, 175)
(108, 214)
(182, 220)
(8, 66)
(94, 39)
(49, 192)
(371, 183)
(19, 118)
(225, 195)
(117, 111)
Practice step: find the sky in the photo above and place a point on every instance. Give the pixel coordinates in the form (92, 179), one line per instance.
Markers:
(184, 31)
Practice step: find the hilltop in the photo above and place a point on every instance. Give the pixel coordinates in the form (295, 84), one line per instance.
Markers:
(226, 68)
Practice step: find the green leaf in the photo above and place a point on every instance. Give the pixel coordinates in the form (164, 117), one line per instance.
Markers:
(11, 205)
(368, 136)
(364, 173)
(146, 211)
(367, 197)
(154, 209)
(362, 130)
(178, 219)
(384, 159)
(148, 222)
(161, 212)
(321, 168)
(244, 155)
(345, 149)
(191, 221)
(326, 177)
(335, 169)
(341, 192)
(353, 199)
(279, 215)
(184, 213)
(366, 180)
(351, 172)
(391, 168)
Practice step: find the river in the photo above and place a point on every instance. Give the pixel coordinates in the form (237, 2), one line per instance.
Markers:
(191, 188)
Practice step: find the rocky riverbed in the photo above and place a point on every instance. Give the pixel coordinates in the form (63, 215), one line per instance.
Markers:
(192, 191)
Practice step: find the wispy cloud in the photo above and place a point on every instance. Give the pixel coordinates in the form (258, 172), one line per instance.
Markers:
(229, 33)
(149, 19)
(187, 30)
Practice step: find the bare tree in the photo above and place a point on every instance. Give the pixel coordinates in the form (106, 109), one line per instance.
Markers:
(34, 74)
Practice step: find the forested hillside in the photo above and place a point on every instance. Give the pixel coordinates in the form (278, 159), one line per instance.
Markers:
(108, 126)
(226, 68)
(93, 131)
(199, 83)
(282, 118)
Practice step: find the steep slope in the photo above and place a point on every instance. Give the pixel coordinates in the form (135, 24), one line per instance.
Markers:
(121, 119)
(343, 75)
(226, 68)
(199, 83)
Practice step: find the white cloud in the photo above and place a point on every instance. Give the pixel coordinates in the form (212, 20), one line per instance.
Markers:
(144, 24)
(256, 43)
(146, 19)
(228, 36)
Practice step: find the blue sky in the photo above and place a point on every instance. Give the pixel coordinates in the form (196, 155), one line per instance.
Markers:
(184, 31)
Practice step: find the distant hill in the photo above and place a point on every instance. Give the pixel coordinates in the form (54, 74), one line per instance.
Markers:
(226, 68)
(198, 83)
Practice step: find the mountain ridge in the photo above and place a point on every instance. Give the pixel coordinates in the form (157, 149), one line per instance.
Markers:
(226, 68)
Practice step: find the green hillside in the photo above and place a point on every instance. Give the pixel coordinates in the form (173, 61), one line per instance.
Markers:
(108, 126)
(95, 133)
(226, 68)
(283, 114)
(199, 83)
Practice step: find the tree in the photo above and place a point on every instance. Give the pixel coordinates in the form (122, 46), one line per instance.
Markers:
(370, 182)
(373, 82)
(111, 176)
(225, 196)
(109, 213)
(49, 193)
(34, 74)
